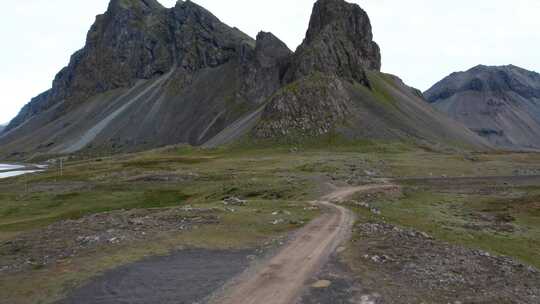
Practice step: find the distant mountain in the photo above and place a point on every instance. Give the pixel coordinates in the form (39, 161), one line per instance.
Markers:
(2, 127)
(500, 103)
(149, 76)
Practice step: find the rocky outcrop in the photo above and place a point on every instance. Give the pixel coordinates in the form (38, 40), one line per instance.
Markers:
(309, 107)
(314, 100)
(339, 42)
(500, 103)
(264, 67)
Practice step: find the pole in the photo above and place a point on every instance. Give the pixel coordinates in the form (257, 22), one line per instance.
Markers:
(26, 183)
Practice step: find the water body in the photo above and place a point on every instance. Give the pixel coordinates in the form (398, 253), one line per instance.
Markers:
(17, 173)
(12, 170)
(8, 167)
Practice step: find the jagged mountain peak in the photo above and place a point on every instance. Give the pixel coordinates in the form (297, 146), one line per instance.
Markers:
(339, 41)
(115, 5)
(269, 48)
(339, 16)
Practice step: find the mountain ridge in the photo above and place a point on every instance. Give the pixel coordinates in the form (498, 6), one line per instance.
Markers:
(151, 76)
(500, 103)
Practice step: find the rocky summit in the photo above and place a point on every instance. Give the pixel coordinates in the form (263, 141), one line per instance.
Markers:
(151, 76)
(500, 103)
(339, 41)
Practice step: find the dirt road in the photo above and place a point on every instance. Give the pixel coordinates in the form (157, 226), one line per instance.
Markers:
(282, 279)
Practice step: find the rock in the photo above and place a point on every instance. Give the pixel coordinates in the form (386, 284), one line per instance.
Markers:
(234, 201)
(362, 204)
(88, 239)
(309, 107)
(425, 235)
(281, 212)
(136, 221)
(370, 173)
(321, 284)
(337, 30)
(376, 259)
(375, 211)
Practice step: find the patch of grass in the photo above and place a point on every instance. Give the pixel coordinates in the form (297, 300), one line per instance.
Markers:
(40, 209)
(272, 176)
(468, 219)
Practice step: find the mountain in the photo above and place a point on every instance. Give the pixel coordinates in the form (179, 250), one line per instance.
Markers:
(333, 86)
(151, 76)
(500, 103)
(2, 127)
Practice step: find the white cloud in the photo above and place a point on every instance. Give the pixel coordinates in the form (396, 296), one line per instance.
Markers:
(421, 40)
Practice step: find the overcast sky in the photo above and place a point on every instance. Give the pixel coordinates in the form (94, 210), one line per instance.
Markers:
(421, 40)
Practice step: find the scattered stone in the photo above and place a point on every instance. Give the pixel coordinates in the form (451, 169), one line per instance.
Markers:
(277, 222)
(281, 212)
(409, 259)
(234, 201)
(68, 238)
(375, 211)
(376, 259)
(322, 284)
(136, 221)
(370, 173)
(362, 204)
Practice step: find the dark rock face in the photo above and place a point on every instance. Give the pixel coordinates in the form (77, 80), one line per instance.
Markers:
(339, 41)
(501, 103)
(264, 67)
(201, 40)
(181, 73)
(139, 39)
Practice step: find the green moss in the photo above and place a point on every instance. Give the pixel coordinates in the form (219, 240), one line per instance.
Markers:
(380, 89)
